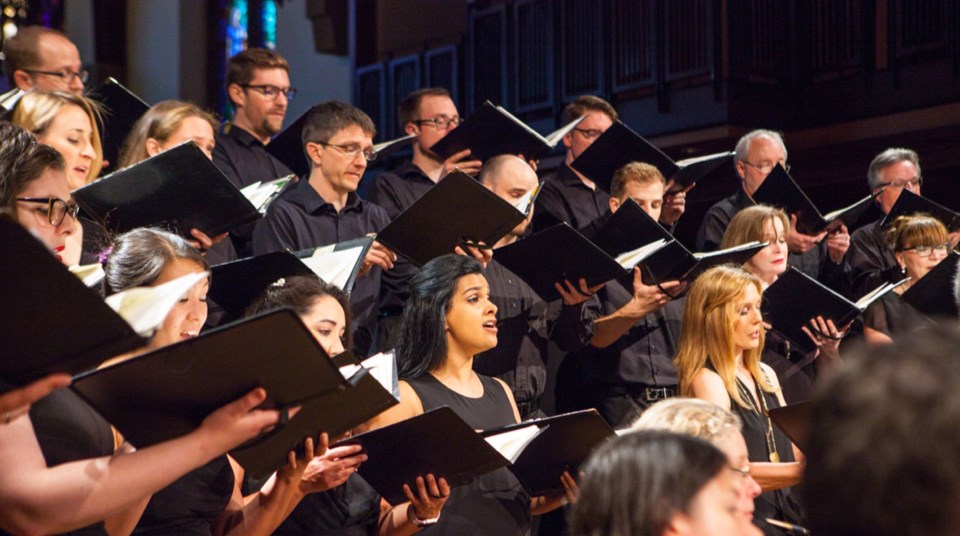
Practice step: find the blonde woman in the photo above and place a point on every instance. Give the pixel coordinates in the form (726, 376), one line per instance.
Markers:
(719, 361)
(68, 123)
(699, 418)
(164, 126)
(796, 370)
(919, 243)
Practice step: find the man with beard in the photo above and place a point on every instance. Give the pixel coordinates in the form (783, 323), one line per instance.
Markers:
(429, 114)
(526, 323)
(258, 85)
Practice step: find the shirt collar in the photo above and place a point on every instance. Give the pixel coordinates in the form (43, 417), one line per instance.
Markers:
(314, 203)
(244, 137)
(410, 171)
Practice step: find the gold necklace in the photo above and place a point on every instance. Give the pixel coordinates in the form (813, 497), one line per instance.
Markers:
(771, 442)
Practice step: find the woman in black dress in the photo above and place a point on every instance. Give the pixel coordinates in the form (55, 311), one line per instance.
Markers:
(718, 360)
(449, 319)
(919, 243)
(60, 469)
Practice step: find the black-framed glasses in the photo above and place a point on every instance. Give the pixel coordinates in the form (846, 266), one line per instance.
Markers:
(271, 92)
(351, 151)
(767, 167)
(926, 251)
(56, 209)
(65, 75)
(441, 122)
(903, 183)
(589, 133)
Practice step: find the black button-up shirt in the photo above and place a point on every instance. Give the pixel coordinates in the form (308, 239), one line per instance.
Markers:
(565, 198)
(643, 356)
(816, 262)
(525, 325)
(244, 160)
(301, 219)
(395, 191)
(871, 259)
(398, 189)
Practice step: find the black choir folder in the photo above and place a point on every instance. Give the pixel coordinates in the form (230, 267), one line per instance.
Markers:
(910, 203)
(492, 131)
(179, 187)
(619, 145)
(795, 421)
(458, 209)
(51, 321)
(540, 450)
(168, 392)
(780, 190)
(335, 414)
(121, 109)
(632, 237)
(933, 294)
(795, 298)
(441, 443)
(235, 285)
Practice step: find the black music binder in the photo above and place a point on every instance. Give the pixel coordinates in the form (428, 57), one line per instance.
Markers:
(179, 188)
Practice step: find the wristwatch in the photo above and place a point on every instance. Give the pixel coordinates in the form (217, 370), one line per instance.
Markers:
(420, 523)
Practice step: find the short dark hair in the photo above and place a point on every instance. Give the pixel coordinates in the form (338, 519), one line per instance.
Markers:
(884, 452)
(636, 483)
(22, 160)
(241, 67)
(585, 104)
(422, 346)
(299, 294)
(138, 258)
(22, 51)
(409, 108)
(326, 119)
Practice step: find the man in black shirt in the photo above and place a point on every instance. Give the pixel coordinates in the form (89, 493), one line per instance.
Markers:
(429, 114)
(325, 209)
(526, 323)
(258, 85)
(820, 256)
(629, 362)
(570, 197)
(871, 257)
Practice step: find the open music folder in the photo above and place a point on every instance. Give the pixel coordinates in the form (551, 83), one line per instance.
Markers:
(179, 188)
(492, 131)
(457, 210)
(51, 321)
(619, 145)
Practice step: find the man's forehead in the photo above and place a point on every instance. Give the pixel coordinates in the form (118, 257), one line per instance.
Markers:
(352, 134)
(56, 48)
(437, 104)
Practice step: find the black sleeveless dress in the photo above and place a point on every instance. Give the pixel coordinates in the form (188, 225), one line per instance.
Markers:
(192, 504)
(494, 503)
(352, 509)
(68, 429)
(778, 504)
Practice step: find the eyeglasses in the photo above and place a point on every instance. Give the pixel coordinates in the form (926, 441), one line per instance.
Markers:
(65, 75)
(742, 471)
(56, 209)
(589, 133)
(351, 151)
(271, 92)
(767, 167)
(926, 251)
(440, 123)
(903, 183)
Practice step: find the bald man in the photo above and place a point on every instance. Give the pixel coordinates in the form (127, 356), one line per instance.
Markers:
(525, 322)
(45, 59)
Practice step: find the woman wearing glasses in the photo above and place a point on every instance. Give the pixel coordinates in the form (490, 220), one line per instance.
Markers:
(61, 469)
(718, 360)
(919, 243)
